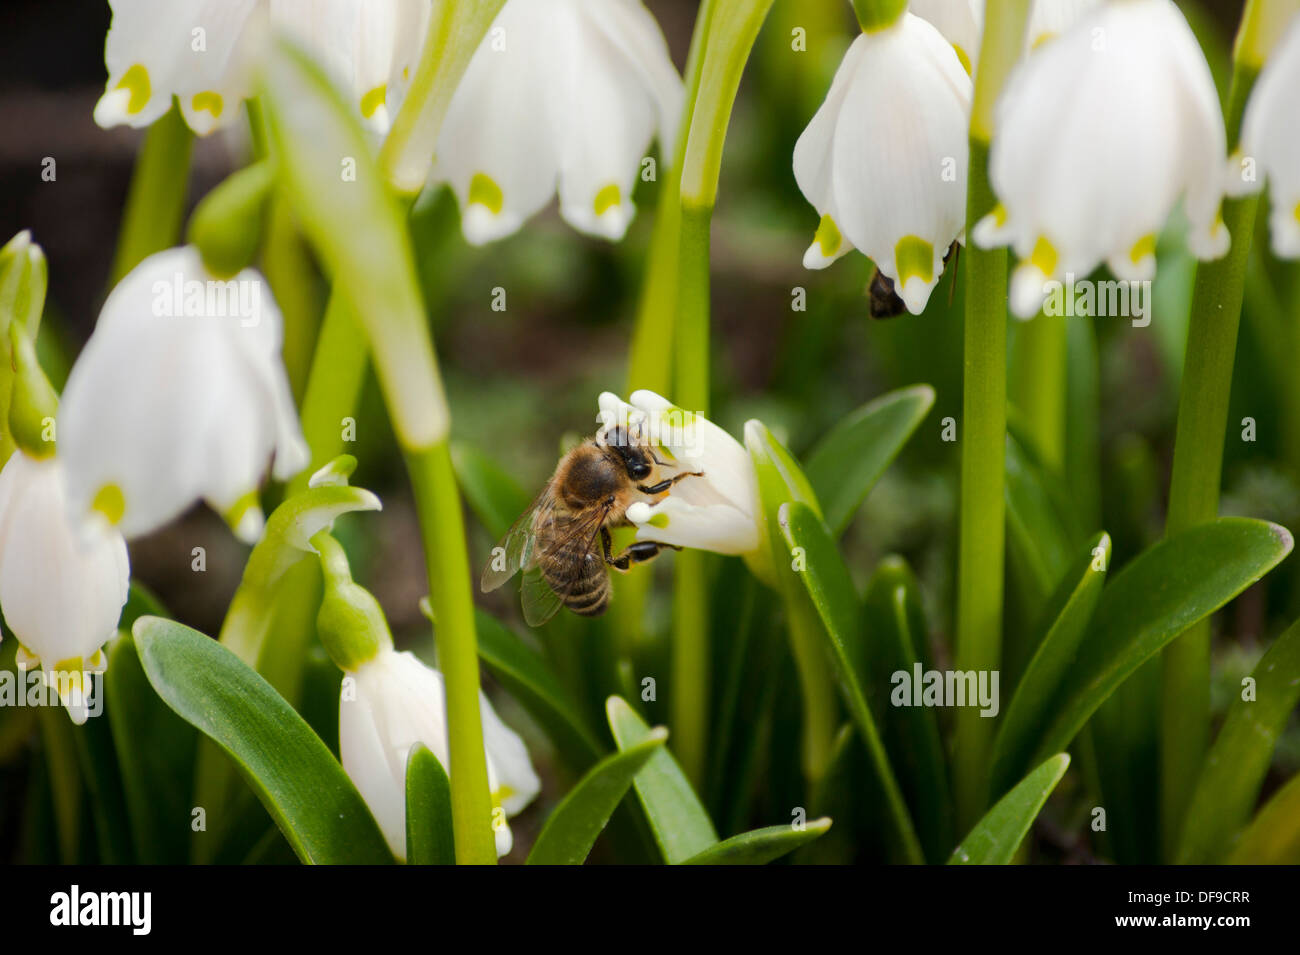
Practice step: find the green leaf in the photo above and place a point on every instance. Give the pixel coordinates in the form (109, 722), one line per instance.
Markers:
(679, 822)
(850, 459)
(429, 838)
(780, 481)
(760, 846)
(996, 837)
(1065, 621)
(155, 750)
(1236, 765)
(102, 775)
(1082, 413)
(292, 772)
(528, 678)
(1040, 544)
(1157, 596)
(1273, 837)
(831, 590)
(896, 637)
(572, 827)
(491, 491)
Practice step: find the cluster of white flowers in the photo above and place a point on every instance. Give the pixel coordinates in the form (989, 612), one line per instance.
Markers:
(561, 95)
(1108, 121)
(166, 406)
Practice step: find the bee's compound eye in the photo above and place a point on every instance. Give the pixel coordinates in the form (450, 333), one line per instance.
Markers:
(639, 470)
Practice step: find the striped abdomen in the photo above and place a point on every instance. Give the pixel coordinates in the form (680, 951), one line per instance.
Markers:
(575, 572)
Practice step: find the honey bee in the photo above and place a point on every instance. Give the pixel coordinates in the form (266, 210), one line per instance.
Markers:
(554, 542)
(883, 300)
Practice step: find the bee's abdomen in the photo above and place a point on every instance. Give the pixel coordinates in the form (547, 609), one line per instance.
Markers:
(587, 593)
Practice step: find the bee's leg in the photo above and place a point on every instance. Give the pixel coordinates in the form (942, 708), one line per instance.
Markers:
(635, 553)
(667, 482)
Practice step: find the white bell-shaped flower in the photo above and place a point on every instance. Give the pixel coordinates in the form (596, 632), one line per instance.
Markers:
(1097, 136)
(717, 511)
(884, 159)
(180, 395)
(560, 94)
(205, 53)
(1270, 143)
(397, 701)
(62, 585)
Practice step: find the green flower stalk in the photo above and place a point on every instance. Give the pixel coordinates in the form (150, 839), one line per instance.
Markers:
(356, 226)
(984, 410)
(730, 37)
(1038, 384)
(454, 32)
(1198, 445)
(155, 203)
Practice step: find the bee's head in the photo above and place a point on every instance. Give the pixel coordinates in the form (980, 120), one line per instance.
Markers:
(634, 455)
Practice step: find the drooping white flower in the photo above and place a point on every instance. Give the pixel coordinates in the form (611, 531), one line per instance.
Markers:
(718, 511)
(884, 159)
(1097, 135)
(397, 702)
(180, 395)
(205, 53)
(1270, 142)
(560, 94)
(62, 585)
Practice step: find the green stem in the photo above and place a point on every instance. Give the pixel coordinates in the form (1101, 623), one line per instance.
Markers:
(155, 203)
(333, 392)
(443, 531)
(1198, 460)
(728, 39)
(456, 27)
(651, 350)
(689, 693)
(984, 422)
(689, 715)
(288, 267)
(65, 779)
(1038, 384)
(874, 15)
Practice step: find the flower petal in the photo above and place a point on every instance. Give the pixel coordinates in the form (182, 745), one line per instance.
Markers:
(62, 585)
(717, 527)
(177, 398)
(194, 49)
(899, 151)
(604, 120)
(496, 149)
(1270, 139)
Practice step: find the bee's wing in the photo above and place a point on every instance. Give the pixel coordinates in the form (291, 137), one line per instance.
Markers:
(540, 599)
(540, 602)
(515, 550)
